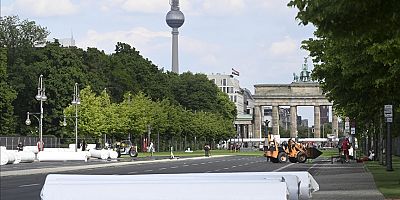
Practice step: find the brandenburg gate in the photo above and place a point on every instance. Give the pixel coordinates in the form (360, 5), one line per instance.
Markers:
(293, 95)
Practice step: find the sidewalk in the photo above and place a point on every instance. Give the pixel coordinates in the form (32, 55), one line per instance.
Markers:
(344, 181)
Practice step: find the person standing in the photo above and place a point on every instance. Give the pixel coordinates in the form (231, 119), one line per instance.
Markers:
(151, 149)
(207, 150)
(345, 148)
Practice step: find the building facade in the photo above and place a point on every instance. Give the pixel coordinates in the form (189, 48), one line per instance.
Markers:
(243, 100)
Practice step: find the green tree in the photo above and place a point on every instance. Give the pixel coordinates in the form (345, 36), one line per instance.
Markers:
(7, 95)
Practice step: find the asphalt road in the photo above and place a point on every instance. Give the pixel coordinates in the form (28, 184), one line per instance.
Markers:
(337, 181)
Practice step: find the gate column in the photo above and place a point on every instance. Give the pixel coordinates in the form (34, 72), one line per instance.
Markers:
(293, 121)
(275, 120)
(317, 121)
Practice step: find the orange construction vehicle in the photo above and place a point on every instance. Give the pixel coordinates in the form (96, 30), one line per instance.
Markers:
(291, 150)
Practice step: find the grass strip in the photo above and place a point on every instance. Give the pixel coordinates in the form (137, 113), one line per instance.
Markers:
(388, 182)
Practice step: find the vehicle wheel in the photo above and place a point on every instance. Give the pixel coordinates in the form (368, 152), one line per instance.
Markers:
(293, 160)
(133, 153)
(274, 160)
(282, 157)
(301, 157)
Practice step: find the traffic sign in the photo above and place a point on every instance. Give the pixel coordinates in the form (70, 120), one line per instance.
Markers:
(388, 109)
(353, 131)
(389, 119)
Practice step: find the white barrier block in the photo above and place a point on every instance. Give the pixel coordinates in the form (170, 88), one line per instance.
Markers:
(167, 187)
(61, 156)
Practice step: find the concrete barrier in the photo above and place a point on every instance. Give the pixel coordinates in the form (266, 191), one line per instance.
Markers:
(102, 154)
(164, 186)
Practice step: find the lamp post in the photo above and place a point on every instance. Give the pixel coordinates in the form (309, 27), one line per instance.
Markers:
(75, 101)
(41, 96)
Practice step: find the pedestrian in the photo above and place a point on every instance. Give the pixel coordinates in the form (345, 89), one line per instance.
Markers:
(20, 146)
(345, 148)
(207, 149)
(151, 148)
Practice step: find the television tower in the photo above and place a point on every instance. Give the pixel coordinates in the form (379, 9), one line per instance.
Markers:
(175, 19)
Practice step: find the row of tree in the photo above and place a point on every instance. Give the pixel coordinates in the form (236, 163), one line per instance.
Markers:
(356, 54)
(123, 92)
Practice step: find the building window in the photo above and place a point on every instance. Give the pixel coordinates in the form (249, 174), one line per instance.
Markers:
(230, 90)
(268, 112)
(224, 89)
(213, 80)
(224, 82)
(248, 111)
(234, 99)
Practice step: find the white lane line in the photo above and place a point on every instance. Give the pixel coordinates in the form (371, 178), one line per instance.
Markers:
(149, 170)
(286, 166)
(208, 172)
(226, 168)
(195, 164)
(233, 166)
(29, 185)
(163, 168)
(312, 167)
(185, 165)
(174, 167)
(132, 172)
(202, 163)
(246, 164)
(217, 170)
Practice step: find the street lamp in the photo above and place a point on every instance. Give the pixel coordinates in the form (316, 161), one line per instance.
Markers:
(41, 96)
(75, 101)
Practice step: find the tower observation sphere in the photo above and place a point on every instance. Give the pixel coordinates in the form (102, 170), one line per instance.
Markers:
(175, 18)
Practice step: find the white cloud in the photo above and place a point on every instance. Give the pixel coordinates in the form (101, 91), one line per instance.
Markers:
(222, 7)
(284, 47)
(141, 38)
(45, 8)
(205, 52)
(146, 6)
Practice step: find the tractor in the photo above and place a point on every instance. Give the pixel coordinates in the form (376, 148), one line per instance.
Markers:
(291, 150)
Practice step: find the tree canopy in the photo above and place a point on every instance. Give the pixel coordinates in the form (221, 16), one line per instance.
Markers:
(121, 92)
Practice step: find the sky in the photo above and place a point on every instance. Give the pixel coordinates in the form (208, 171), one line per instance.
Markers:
(259, 38)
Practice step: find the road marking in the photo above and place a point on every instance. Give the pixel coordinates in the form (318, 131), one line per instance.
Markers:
(246, 164)
(149, 170)
(208, 172)
(174, 167)
(185, 165)
(29, 185)
(286, 166)
(132, 172)
(226, 168)
(202, 163)
(312, 167)
(195, 164)
(162, 168)
(233, 166)
(217, 170)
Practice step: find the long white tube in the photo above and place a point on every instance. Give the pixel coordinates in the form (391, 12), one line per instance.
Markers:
(33, 149)
(103, 154)
(26, 157)
(3, 157)
(113, 154)
(61, 156)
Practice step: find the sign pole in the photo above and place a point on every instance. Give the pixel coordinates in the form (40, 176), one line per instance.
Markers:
(388, 112)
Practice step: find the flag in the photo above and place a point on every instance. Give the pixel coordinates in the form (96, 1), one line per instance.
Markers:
(234, 72)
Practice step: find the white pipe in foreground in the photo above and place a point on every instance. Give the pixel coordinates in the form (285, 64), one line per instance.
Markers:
(61, 156)
(168, 187)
